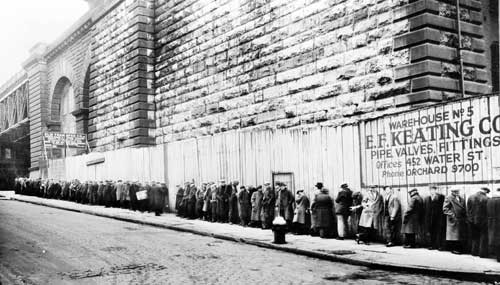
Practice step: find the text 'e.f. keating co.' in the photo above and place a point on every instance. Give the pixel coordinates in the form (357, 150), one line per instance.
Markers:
(436, 142)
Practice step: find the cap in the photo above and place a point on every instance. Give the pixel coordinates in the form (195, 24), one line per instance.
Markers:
(344, 186)
(319, 185)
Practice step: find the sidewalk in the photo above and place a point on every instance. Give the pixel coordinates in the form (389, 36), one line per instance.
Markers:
(347, 251)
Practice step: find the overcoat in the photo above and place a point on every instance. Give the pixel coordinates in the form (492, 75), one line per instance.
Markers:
(435, 219)
(256, 205)
(233, 205)
(157, 199)
(267, 213)
(302, 215)
(284, 203)
(343, 202)
(454, 209)
(476, 209)
(200, 195)
(413, 216)
(245, 206)
(178, 199)
(372, 209)
(493, 211)
(322, 210)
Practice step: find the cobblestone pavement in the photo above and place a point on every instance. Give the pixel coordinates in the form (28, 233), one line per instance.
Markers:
(40, 245)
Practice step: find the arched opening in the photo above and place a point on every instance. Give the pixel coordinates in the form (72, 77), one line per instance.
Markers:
(63, 104)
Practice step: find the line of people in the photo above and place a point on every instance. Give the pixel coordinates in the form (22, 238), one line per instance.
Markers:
(144, 197)
(434, 221)
(439, 222)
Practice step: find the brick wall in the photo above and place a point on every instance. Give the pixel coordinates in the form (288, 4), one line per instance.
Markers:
(273, 64)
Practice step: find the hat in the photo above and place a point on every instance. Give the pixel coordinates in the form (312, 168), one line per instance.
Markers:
(222, 181)
(319, 185)
(487, 190)
(300, 191)
(455, 190)
(344, 186)
(267, 184)
(413, 190)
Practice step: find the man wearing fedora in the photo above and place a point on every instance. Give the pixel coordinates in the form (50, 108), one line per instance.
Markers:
(454, 209)
(343, 203)
(392, 206)
(477, 219)
(413, 218)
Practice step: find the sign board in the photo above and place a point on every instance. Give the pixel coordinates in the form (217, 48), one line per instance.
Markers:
(62, 140)
(453, 143)
(141, 195)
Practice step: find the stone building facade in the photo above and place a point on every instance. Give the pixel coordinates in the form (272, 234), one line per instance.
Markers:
(195, 80)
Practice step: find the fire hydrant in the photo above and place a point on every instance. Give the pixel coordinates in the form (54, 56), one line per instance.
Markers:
(279, 230)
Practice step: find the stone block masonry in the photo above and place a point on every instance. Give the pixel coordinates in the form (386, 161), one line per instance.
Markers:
(224, 65)
(121, 78)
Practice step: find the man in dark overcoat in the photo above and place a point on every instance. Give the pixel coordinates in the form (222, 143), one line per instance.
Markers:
(435, 219)
(233, 203)
(267, 213)
(454, 209)
(245, 206)
(178, 200)
(412, 218)
(343, 202)
(322, 212)
(284, 202)
(493, 212)
(477, 219)
(223, 202)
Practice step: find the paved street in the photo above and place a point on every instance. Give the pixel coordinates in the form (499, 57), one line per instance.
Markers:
(41, 245)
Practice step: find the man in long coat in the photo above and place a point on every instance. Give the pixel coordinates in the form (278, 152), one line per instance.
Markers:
(245, 207)
(207, 209)
(233, 203)
(179, 201)
(302, 215)
(493, 211)
(214, 200)
(256, 201)
(322, 212)
(454, 209)
(477, 218)
(343, 203)
(267, 213)
(223, 202)
(200, 194)
(435, 219)
(284, 203)
(369, 221)
(412, 218)
(393, 216)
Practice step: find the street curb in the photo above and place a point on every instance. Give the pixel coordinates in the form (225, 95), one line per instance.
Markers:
(466, 276)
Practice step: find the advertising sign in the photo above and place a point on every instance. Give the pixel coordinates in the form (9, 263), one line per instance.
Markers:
(62, 140)
(453, 143)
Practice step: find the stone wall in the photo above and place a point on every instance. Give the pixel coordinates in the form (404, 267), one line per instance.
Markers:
(225, 65)
(121, 78)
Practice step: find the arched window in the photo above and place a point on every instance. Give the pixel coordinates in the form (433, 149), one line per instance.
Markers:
(68, 121)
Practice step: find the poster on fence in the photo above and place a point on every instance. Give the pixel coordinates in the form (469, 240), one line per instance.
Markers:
(62, 140)
(453, 143)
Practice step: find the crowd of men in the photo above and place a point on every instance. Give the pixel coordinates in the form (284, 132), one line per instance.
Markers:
(150, 197)
(441, 223)
(434, 221)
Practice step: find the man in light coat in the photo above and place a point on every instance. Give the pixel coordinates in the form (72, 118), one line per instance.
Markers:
(392, 216)
(454, 209)
(413, 218)
(256, 201)
(369, 221)
(477, 219)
